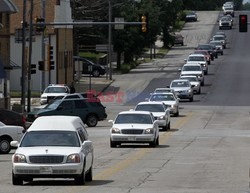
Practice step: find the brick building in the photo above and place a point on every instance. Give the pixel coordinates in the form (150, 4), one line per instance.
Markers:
(7, 7)
(60, 37)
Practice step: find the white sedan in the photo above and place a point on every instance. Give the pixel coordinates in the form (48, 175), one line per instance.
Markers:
(168, 99)
(194, 81)
(53, 147)
(134, 127)
(160, 111)
(9, 133)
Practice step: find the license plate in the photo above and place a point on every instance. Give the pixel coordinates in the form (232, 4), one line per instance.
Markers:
(46, 170)
(132, 138)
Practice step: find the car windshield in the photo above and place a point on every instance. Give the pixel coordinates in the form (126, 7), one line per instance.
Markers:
(216, 43)
(53, 105)
(162, 90)
(196, 58)
(133, 118)
(180, 84)
(55, 90)
(200, 52)
(191, 68)
(204, 47)
(50, 138)
(191, 79)
(162, 97)
(150, 107)
(218, 38)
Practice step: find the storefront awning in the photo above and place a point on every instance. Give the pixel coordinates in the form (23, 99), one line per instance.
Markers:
(7, 6)
(2, 71)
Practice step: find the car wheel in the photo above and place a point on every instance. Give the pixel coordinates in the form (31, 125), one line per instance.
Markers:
(182, 44)
(191, 99)
(177, 113)
(96, 73)
(80, 180)
(89, 175)
(16, 180)
(91, 121)
(221, 53)
(209, 62)
(206, 72)
(5, 145)
(202, 83)
(216, 55)
(153, 144)
(199, 92)
(112, 144)
(157, 141)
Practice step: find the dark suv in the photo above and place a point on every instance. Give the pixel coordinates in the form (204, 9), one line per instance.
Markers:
(89, 112)
(89, 67)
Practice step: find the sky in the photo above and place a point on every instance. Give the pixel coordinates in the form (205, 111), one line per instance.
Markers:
(246, 1)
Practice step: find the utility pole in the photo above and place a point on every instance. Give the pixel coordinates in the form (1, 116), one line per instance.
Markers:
(23, 78)
(43, 46)
(30, 55)
(110, 41)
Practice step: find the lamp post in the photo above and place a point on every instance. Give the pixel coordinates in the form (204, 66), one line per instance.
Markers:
(23, 78)
(110, 41)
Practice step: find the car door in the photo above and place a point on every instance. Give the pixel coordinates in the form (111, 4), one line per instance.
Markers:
(81, 109)
(87, 147)
(85, 67)
(65, 108)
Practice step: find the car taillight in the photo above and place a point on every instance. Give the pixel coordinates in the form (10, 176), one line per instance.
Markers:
(23, 120)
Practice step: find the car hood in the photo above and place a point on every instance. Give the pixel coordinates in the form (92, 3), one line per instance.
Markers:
(191, 72)
(132, 126)
(181, 89)
(53, 94)
(158, 114)
(47, 150)
(39, 111)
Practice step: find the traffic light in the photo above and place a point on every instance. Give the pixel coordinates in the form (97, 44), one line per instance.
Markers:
(51, 63)
(144, 25)
(33, 68)
(242, 23)
(40, 27)
(41, 65)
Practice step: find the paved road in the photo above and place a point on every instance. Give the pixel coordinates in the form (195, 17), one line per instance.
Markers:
(206, 150)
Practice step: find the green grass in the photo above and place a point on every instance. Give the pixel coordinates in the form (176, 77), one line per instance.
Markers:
(91, 55)
(17, 94)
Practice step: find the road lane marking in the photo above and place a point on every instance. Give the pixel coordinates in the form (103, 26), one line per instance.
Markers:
(105, 174)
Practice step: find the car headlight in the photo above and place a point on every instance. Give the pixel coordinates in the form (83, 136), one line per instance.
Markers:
(161, 117)
(115, 130)
(19, 158)
(173, 106)
(190, 90)
(149, 131)
(73, 158)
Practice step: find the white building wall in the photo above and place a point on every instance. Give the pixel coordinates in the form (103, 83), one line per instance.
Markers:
(16, 56)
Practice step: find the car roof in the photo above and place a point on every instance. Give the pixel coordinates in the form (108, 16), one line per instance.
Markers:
(219, 35)
(151, 103)
(196, 55)
(187, 76)
(191, 64)
(66, 123)
(135, 112)
(180, 80)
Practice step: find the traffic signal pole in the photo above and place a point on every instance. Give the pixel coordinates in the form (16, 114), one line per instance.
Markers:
(23, 78)
(30, 55)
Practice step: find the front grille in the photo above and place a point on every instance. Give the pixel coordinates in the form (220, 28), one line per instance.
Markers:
(132, 131)
(46, 159)
(225, 24)
(64, 171)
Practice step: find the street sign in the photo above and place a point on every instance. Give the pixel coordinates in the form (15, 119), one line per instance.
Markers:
(119, 26)
(103, 47)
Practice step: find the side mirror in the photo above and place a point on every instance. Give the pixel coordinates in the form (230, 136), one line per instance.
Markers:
(168, 86)
(87, 143)
(14, 143)
(146, 99)
(111, 121)
(131, 109)
(156, 122)
(185, 60)
(179, 70)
